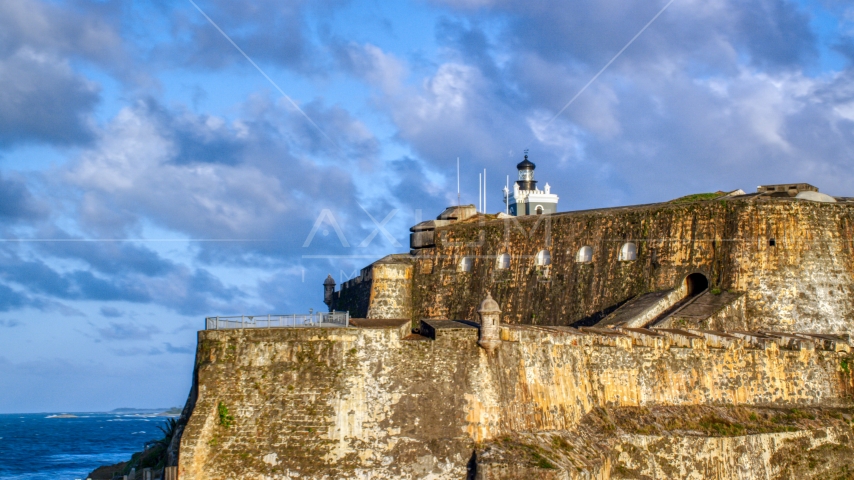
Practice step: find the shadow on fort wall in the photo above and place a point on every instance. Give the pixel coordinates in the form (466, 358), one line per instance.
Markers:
(591, 320)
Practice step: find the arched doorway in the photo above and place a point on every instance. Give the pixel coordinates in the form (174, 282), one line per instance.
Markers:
(695, 284)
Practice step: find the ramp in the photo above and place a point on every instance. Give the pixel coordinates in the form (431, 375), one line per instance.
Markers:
(706, 310)
(642, 310)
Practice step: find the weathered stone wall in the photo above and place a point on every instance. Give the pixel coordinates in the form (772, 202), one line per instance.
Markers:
(804, 282)
(681, 442)
(376, 403)
(382, 290)
(391, 291)
(766, 456)
(355, 297)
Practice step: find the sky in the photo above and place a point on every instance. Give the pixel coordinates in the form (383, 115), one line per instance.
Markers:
(161, 162)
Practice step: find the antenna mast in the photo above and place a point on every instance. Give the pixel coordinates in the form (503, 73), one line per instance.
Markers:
(458, 181)
(507, 196)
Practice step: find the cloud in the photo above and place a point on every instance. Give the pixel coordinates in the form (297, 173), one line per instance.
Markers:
(776, 33)
(195, 293)
(266, 192)
(845, 46)
(108, 256)
(190, 291)
(127, 331)
(136, 351)
(10, 323)
(372, 64)
(712, 96)
(771, 33)
(112, 312)
(42, 99)
(16, 201)
(35, 275)
(268, 31)
(68, 30)
(188, 349)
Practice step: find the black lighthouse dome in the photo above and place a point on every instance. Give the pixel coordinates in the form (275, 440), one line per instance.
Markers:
(525, 164)
(526, 174)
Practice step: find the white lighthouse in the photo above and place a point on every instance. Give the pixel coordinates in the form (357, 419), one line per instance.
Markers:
(526, 198)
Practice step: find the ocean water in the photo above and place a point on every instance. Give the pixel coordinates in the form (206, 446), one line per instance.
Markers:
(43, 447)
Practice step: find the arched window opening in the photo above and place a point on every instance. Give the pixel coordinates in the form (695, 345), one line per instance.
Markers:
(695, 284)
(628, 252)
(539, 210)
(466, 264)
(544, 258)
(503, 261)
(584, 255)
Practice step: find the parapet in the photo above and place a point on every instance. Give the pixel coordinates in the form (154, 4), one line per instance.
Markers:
(401, 324)
(789, 189)
(666, 338)
(449, 328)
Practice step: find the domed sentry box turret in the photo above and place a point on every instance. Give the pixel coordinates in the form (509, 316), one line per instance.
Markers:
(490, 324)
(328, 291)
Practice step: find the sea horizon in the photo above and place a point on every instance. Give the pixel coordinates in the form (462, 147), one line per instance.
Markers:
(68, 445)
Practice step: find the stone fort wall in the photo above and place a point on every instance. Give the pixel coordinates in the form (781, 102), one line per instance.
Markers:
(794, 260)
(382, 290)
(378, 403)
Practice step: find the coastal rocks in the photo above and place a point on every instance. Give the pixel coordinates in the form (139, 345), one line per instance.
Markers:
(107, 472)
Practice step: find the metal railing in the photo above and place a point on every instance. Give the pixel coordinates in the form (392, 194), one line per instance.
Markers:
(317, 319)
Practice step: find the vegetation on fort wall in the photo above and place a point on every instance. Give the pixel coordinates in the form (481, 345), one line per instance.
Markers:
(696, 197)
(225, 418)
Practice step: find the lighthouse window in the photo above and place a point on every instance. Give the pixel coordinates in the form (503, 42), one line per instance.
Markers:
(539, 210)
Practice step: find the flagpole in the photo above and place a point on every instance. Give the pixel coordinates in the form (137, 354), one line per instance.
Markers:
(507, 202)
(484, 190)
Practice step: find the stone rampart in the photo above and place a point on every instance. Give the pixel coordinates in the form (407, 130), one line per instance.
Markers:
(792, 259)
(380, 403)
(391, 291)
(382, 290)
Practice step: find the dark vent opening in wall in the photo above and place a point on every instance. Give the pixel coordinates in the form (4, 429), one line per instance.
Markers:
(772, 243)
(696, 284)
(471, 467)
